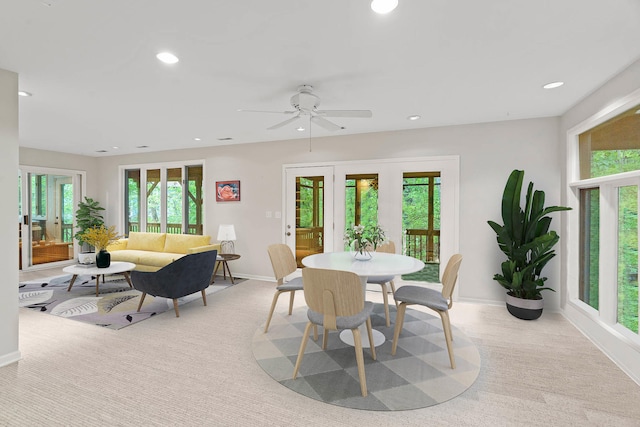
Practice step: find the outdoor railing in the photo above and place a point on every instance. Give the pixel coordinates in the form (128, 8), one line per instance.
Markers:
(422, 244)
(154, 227)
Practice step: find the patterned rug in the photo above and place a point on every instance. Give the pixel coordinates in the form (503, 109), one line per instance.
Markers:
(114, 308)
(419, 375)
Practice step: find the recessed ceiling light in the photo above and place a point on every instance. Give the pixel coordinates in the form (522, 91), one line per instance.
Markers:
(553, 85)
(167, 57)
(225, 139)
(414, 117)
(115, 148)
(142, 146)
(101, 151)
(23, 93)
(197, 139)
(300, 129)
(383, 6)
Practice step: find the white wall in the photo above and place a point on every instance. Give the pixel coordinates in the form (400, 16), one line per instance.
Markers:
(488, 152)
(8, 217)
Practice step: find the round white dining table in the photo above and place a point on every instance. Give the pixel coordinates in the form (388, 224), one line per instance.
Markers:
(381, 264)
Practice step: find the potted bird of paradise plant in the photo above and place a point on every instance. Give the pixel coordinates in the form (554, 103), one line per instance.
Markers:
(528, 244)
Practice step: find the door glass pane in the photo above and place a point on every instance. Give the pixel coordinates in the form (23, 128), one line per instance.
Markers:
(153, 201)
(309, 216)
(67, 212)
(194, 199)
(628, 257)
(52, 213)
(421, 223)
(132, 200)
(174, 201)
(361, 200)
(589, 246)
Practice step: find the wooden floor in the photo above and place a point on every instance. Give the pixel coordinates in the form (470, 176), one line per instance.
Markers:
(199, 370)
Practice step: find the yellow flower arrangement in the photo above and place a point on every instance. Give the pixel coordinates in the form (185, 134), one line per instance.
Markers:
(100, 237)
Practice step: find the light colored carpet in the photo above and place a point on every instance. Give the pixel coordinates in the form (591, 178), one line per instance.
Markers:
(199, 370)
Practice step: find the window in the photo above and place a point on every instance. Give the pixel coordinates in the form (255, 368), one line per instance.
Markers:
(627, 282)
(172, 200)
(611, 147)
(589, 245)
(605, 192)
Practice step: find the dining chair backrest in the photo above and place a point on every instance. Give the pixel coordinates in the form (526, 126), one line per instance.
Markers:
(332, 293)
(388, 247)
(450, 277)
(282, 260)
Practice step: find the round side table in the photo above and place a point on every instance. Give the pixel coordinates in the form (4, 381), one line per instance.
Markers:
(224, 260)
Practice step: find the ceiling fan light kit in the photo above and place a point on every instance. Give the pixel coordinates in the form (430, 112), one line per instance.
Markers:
(305, 103)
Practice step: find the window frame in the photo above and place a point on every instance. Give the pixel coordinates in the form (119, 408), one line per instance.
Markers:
(595, 322)
(163, 167)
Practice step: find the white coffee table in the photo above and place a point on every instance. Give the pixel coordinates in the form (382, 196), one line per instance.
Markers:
(382, 264)
(114, 268)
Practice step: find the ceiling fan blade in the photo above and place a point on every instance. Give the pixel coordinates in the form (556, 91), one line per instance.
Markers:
(263, 111)
(322, 122)
(345, 113)
(286, 122)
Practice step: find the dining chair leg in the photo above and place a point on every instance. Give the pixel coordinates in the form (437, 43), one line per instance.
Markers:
(144, 294)
(370, 333)
(360, 361)
(303, 345)
(385, 301)
(325, 338)
(446, 325)
(273, 307)
(291, 297)
(393, 292)
(315, 332)
(204, 297)
(396, 332)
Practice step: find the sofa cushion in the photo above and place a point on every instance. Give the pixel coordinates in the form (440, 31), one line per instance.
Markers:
(179, 243)
(158, 259)
(146, 241)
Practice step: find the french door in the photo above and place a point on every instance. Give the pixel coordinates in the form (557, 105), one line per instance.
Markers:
(326, 199)
(47, 201)
(308, 210)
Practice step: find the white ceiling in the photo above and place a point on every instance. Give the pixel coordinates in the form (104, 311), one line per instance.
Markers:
(96, 83)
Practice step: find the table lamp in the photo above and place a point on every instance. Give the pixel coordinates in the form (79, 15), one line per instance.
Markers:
(226, 237)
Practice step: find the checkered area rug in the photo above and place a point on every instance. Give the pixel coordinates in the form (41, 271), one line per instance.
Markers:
(419, 375)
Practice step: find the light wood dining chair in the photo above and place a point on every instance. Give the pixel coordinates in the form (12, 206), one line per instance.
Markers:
(284, 263)
(440, 302)
(388, 247)
(336, 302)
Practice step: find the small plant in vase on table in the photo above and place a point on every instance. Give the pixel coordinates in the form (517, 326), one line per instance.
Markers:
(100, 238)
(364, 239)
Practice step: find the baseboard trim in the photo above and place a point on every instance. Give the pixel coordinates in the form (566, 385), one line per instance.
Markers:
(10, 358)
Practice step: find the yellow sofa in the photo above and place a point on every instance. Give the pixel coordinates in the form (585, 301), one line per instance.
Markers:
(152, 251)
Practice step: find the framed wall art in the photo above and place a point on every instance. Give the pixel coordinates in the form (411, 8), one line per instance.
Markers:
(227, 191)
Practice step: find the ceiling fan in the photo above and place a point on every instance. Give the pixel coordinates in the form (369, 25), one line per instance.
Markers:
(305, 103)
